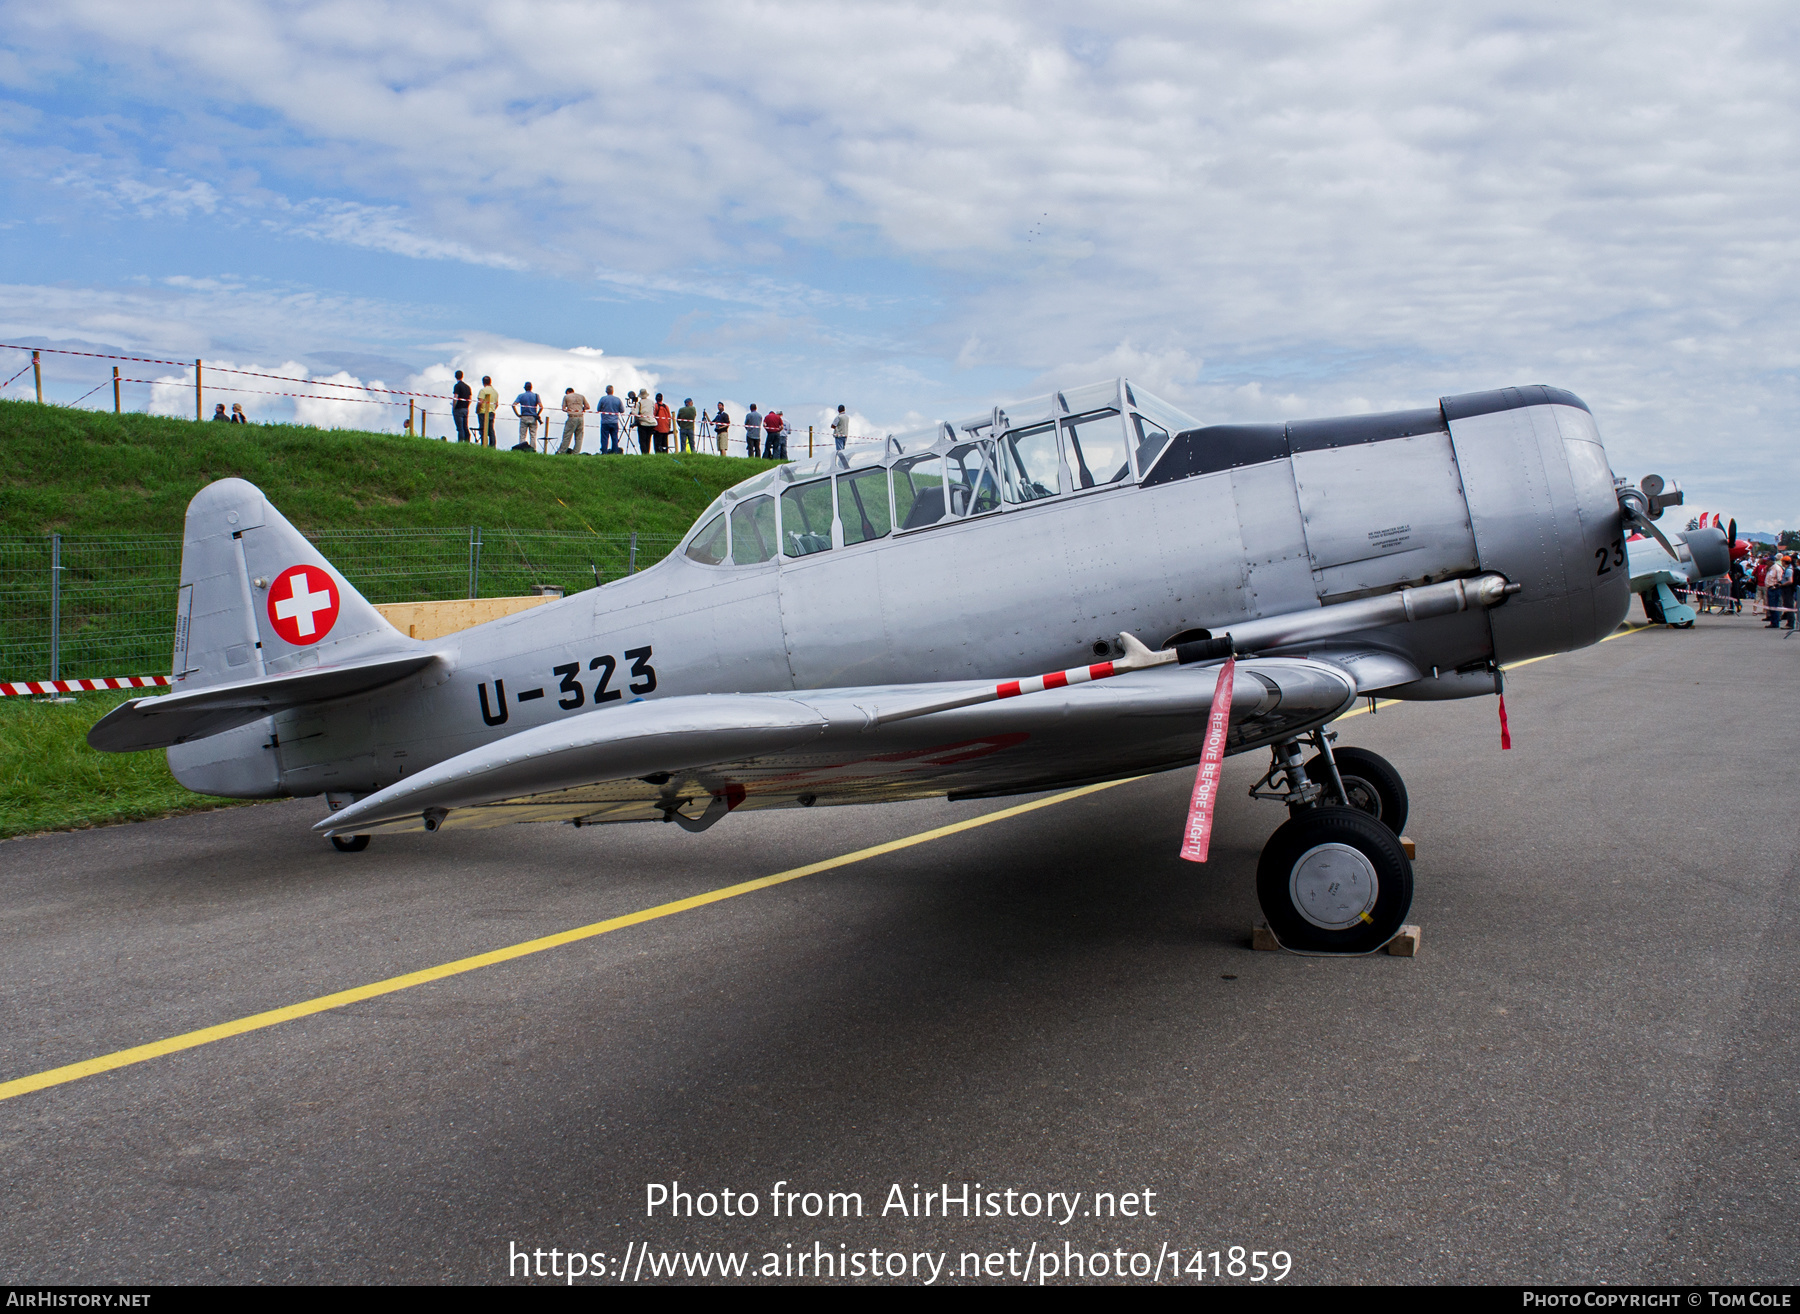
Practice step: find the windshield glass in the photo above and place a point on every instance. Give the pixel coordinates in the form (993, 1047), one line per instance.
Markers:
(708, 546)
(1171, 418)
(973, 486)
(1097, 455)
(806, 518)
(863, 505)
(1029, 464)
(753, 531)
(919, 491)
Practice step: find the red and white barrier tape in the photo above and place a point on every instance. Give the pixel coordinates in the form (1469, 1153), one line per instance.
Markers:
(269, 392)
(220, 369)
(96, 355)
(82, 686)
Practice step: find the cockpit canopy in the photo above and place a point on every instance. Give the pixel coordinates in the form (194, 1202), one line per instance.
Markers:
(1070, 443)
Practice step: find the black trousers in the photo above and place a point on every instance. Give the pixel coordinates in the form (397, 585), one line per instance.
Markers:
(645, 433)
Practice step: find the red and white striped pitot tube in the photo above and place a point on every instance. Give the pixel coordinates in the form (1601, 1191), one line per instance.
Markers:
(1137, 657)
(1197, 838)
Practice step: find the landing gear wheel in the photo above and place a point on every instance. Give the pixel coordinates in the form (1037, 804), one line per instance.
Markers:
(1371, 782)
(1653, 611)
(349, 843)
(1335, 881)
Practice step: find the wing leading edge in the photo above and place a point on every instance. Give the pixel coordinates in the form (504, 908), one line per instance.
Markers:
(676, 756)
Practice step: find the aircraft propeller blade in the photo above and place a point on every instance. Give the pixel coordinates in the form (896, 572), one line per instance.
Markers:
(1643, 524)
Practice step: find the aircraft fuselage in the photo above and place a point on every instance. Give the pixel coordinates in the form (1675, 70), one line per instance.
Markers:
(1208, 528)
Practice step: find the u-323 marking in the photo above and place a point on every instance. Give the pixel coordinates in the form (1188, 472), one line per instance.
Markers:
(574, 694)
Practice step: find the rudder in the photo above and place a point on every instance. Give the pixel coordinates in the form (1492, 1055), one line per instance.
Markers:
(258, 599)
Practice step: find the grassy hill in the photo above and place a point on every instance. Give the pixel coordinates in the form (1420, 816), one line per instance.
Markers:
(87, 473)
(92, 472)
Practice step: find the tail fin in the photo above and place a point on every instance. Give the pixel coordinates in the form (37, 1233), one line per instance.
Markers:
(258, 600)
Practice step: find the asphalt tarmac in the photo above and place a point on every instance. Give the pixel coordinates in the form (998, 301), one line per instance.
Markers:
(1589, 1073)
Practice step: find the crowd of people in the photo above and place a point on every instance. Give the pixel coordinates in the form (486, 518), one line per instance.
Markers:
(1773, 577)
(636, 418)
(1765, 577)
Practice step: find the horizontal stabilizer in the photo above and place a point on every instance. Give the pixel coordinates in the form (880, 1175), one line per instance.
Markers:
(176, 718)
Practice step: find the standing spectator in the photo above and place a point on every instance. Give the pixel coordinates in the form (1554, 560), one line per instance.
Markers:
(219, 414)
(237, 414)
(840, 429)
(1761, 577)
(527, 406)
(665, 425)
(1782, 595)
(610, 408)
(721, 423)
(753, 432)
(684, 421)
(459, 407)
(487, 401)
(575, 407)
(646, 421)
(774, 437)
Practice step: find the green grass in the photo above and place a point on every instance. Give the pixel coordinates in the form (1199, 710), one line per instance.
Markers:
(93, 472)
(51, 780)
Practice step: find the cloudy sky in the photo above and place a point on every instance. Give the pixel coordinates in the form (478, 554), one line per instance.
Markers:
(1261, 210)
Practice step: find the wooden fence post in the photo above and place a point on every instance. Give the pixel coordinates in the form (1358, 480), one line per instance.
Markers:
(199, 401)
(37, 377)
(115, 390)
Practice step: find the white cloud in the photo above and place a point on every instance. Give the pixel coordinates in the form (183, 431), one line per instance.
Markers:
(512, 364)
(379, 228)
(1278, 206)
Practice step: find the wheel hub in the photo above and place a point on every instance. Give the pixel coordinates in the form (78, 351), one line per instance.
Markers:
(1333, 886)
(1362, 795)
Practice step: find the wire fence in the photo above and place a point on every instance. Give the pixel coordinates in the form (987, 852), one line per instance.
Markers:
(86, 607)
(707, 432)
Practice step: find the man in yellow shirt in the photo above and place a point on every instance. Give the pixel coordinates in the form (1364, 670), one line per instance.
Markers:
(575, 407)
(487, 401)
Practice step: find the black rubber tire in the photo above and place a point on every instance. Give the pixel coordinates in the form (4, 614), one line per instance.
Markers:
(1374, 786)
(1305, 832)
(349, 843)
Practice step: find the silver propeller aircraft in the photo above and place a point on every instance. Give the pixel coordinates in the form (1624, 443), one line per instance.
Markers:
(1659, 564)
(863, 627)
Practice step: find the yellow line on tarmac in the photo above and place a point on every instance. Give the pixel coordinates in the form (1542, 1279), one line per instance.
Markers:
(1623, 630)
(324, 1003)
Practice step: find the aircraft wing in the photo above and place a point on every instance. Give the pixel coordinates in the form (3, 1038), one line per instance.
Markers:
(694, 758)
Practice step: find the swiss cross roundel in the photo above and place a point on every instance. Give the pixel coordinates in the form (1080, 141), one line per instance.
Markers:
(303, 604)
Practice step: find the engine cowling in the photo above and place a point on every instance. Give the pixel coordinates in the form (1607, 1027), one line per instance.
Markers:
(1711, 552)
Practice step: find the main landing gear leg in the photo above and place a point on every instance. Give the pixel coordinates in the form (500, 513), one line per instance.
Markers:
(1334, 879)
